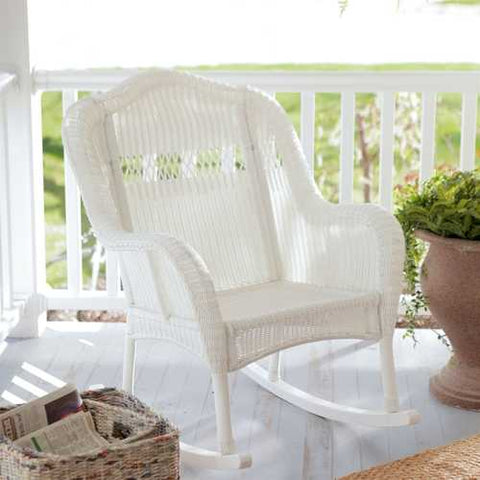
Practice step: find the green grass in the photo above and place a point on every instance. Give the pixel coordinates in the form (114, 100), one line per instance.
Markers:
(326, 147)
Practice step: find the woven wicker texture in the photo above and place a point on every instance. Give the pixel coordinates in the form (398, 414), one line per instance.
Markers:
(457, 461)
(203, 190)
(153, 452)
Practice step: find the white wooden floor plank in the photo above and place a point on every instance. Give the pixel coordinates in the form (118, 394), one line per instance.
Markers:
(88, 345)
(12, 358)
(429, 431)
(173, 382)
(196, 389)
(374, 447)
(318, 449)
(402, 441)
(106, 359)
(345, 391)
(147, 369)
(205, 422)
(159, 364)
(272, 418)
(293, 421)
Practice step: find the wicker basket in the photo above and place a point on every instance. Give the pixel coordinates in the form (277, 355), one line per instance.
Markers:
(151, 453)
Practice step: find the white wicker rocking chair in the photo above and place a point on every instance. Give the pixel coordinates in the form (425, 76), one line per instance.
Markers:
(226, 247)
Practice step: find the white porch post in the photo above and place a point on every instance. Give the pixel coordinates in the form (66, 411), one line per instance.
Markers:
(8, 311)
(25, 167)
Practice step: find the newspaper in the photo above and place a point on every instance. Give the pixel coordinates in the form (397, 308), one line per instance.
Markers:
(41, 412)
(73, 435)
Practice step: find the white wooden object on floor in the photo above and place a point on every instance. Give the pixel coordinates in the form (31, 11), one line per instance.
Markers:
(233, 265)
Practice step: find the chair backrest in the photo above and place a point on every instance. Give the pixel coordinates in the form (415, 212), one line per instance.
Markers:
(171, 152)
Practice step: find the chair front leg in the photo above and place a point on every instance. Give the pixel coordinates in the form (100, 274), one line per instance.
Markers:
(129, 364)
(223, 414)
(388, 373)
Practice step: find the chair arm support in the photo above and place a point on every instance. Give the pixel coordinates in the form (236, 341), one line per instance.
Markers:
(191, 270)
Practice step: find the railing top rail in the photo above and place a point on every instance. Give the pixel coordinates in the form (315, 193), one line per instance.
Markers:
(6, 80)
(294, 81)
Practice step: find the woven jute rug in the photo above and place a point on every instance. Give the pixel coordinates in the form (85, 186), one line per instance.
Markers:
(459, 460)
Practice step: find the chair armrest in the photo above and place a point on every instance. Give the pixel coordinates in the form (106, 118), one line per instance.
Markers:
(186, 264)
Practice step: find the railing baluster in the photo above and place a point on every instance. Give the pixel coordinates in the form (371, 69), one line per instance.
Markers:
(469, 130)
(429, 100)
(307, 127)
(346, 148)
(72, 214)
(386, 149)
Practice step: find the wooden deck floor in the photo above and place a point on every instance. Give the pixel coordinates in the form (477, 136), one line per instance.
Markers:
(286, 443)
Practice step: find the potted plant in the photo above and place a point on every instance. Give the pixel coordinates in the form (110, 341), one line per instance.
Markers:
(445, 213)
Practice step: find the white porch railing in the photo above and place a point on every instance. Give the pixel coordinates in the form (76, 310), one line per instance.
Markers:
(384, 84)
(8, 314)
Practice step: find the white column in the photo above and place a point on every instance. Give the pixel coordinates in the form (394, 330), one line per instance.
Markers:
(8, 312)
(25, 170)
(5, 240)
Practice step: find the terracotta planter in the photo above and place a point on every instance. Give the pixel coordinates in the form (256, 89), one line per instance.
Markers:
(450, 280)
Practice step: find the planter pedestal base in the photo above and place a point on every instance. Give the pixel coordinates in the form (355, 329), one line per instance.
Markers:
(451, 282)
(457, 385)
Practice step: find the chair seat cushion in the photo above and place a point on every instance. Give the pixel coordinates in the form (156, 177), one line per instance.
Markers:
(264, 318)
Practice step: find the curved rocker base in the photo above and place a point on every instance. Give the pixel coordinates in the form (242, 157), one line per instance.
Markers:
(330, 410)
(202, 458)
